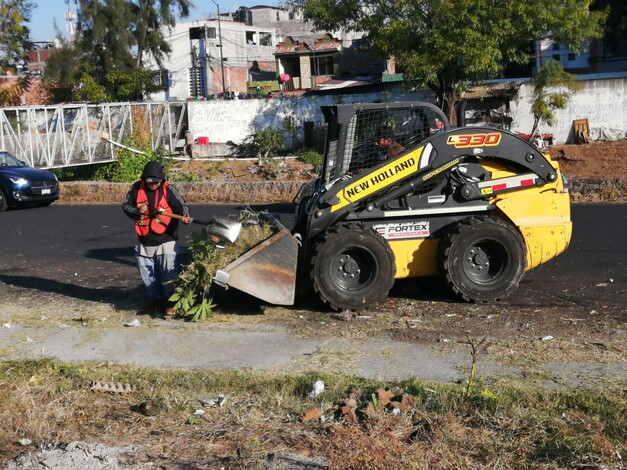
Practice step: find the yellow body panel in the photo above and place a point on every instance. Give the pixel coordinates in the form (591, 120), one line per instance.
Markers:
(541, 213)
(415, 258)
(544, 221)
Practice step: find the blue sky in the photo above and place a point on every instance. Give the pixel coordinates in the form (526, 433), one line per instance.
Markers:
(49, 11)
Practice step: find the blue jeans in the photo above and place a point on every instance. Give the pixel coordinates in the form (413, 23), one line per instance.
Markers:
(158, 273)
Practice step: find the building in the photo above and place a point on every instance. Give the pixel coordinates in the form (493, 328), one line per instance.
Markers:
(213, 56)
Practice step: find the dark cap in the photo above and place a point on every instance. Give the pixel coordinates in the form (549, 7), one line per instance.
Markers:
(153, 173)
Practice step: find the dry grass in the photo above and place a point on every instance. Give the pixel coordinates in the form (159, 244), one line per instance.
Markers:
(251, 192)
(500, 425)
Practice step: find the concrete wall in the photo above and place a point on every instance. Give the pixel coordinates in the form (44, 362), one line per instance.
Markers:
(602, 102)
(223, 121)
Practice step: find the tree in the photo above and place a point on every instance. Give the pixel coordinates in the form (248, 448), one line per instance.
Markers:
(14, 46)
(106, 61)
(15, 40)
(553, 88)
(445, 44)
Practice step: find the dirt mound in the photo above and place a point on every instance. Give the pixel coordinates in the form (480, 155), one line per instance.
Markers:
(594, 160)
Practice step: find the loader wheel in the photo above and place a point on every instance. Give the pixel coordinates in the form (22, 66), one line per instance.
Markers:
(352, 267)
(483, 259)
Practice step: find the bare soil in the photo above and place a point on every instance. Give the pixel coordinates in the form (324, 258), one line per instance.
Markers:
(594, 160)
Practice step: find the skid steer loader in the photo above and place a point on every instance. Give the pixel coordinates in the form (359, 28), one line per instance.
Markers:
(476, 205)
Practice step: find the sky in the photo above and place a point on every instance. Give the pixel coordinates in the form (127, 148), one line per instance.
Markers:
(49, 11)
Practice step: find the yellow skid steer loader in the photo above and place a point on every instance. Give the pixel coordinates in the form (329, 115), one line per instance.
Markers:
(402, 195)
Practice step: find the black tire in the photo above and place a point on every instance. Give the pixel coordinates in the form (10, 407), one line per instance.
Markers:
(483, 259)
(352, 267)
(4, 205)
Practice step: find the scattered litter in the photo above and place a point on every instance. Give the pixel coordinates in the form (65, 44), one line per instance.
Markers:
(318, 388)
(547, 338)
(444, 340)
(310, 414)
(6, 325)
(199, 412)
(63, 326)
(602, 284)
(29, 339)
(25, 442)
(110, 387)
(430, 390)
(450, 315)
(592, 312)
(364, 317)
(611, 280)
(345, 315)
(395, 411)
(133, 323)
(220, 400)
(488, 317)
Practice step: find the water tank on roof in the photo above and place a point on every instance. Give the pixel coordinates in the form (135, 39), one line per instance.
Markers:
(243, 15)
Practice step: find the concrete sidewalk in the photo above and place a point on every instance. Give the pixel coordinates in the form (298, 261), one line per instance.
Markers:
(263, 347)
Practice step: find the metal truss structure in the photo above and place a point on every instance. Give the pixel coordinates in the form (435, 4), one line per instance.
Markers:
(79, 134)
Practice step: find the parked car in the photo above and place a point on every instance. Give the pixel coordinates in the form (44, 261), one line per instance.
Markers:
(22, 185)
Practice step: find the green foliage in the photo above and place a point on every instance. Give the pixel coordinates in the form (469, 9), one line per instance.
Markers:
(107, 58)
(128, 165)
(311, 157)
(265, 146)
(444, 45)
(193, 284)
(14, 34)
(553, 89)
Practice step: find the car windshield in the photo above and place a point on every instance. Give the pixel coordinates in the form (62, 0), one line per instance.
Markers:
(6, 159)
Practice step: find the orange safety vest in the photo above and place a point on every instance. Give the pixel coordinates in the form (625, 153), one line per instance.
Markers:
(160, 222)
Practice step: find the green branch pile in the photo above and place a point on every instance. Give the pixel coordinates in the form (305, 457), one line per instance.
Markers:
(192, 289)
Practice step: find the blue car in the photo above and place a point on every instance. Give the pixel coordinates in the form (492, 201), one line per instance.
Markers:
(23, 185)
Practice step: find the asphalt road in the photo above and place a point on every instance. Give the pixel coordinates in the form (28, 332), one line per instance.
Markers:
(74, 248)
(68, 261)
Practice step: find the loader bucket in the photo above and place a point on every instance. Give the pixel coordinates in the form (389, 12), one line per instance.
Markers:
(268, 271)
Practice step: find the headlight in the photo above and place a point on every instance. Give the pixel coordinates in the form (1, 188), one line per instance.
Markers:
(19, 182)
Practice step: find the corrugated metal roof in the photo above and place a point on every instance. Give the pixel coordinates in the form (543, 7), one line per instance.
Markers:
(492, 90)
(293, 45)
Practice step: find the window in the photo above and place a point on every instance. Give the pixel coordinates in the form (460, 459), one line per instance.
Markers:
(556, 57)
(571, 57)
(250, 38)
(322, 65)
(556, 46)
(265, 39)
(211, 33)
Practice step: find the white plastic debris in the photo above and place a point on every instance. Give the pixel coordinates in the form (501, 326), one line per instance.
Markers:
(133, 323)
(6, 325)
(199, 412)
(29, 339)
(318, 388)
(25, 442)
(547, 338)
(220, 400)
(602, 284)
(363, 317)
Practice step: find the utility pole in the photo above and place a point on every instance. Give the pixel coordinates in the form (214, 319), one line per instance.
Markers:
(221, 54)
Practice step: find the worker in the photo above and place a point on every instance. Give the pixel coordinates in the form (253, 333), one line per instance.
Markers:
(188, 148)
(157, 249)
(386, 144)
